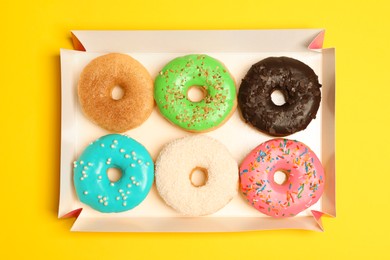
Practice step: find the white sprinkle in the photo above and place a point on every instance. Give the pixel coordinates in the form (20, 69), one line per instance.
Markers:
(112, 184)
(133, 153)
(132, 165)
(137, 184)
(132, 178)
(134, 158)
(115, 141)
(83, 172)
(128, 192)
(101, 201)
(124, 203)
(85, 168)
(75, 165)
(104, 198)
(105, 203)
(85, 175)
(109, 159)
(90, 164)
(81, 162)
(81, 179)
(134, 182)
(127, 156)
(112, 146)
(99, 177)
(85, 192)
(100, 196)
(128, 186)
(102, 145)
(120, 190)
(125, 198)
(118, 198)
(139, 161)
(122, 150)
(147, 163)
(108, 162)
(122, 194)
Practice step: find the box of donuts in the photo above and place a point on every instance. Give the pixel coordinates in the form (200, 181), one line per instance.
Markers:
(197, 131)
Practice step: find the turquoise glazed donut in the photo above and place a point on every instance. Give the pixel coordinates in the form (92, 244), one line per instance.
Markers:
(94, 188)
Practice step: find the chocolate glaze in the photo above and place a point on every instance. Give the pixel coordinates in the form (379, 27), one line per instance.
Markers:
(299, 85)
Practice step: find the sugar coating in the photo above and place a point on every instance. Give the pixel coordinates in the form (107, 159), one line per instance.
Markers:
(96, 83)
(174, 165)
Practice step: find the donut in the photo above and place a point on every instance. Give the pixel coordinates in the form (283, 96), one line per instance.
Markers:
(94, 188)
(295, 80)
(304, 182)
(97, 81)
(178, 76)
(175, 164)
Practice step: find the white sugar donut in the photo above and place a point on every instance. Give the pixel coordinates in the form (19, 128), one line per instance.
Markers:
(179, 159)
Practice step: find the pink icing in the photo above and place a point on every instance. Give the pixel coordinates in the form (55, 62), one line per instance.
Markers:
(304, 182)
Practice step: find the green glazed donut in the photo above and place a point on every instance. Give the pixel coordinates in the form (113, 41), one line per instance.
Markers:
(180, 74)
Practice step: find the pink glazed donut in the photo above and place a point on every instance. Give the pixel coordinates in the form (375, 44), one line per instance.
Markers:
(303, 186)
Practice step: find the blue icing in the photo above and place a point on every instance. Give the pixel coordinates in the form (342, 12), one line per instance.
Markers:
(92, 184)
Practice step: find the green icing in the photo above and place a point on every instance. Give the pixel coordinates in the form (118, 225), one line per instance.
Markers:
(173, 82)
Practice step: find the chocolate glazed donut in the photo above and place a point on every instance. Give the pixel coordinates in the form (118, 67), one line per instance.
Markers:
(299, 85)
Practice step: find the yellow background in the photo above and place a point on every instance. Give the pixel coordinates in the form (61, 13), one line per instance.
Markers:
(34, 31)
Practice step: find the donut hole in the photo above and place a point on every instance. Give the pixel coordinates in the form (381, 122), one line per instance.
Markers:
(280, 177)
(196, 93)
(278, 98)
(198, 177)
(114, 174)
(117, 93)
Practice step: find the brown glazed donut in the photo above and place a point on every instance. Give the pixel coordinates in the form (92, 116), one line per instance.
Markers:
(97, 81)
(299, 85)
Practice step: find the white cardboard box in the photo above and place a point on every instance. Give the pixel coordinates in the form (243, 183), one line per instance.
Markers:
(238, 50)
